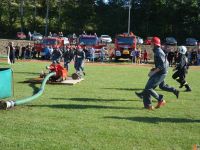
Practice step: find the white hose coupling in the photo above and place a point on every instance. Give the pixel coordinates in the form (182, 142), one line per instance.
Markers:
(7, 104)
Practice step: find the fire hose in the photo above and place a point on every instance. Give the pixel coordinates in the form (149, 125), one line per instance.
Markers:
(11, 103)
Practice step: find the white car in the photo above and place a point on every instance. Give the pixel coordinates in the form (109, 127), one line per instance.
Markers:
(37, 36)
(139, 40)
(66, 40)
(105, 39)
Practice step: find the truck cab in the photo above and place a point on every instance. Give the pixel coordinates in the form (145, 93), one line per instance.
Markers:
(43, 45)
(91, 41)
(124, 45)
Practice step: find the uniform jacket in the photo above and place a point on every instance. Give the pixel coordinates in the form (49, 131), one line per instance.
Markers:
(79, 55)
(68, 55)
(182, 63)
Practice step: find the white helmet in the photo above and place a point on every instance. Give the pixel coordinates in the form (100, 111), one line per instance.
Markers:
(182, 50)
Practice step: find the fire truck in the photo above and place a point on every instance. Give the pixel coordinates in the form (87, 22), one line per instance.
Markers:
(91, 41)
(54, 42)
(124, 45)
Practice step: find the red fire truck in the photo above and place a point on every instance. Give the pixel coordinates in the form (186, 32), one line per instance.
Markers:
(54, 42)
(91, 41)
(124, 45)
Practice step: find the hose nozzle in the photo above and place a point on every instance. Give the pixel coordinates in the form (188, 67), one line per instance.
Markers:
(6, 104)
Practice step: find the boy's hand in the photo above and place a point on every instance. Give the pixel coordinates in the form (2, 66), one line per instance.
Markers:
(153, 71)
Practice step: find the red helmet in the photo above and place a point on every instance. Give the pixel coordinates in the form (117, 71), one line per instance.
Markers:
(156, 41)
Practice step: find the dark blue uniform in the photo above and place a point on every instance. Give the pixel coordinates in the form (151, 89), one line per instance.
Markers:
(56, 55)
(181, 71)
(12, 54)
(68, 56)
(79, 60)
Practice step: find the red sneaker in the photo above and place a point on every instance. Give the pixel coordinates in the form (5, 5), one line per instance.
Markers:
(161, 103)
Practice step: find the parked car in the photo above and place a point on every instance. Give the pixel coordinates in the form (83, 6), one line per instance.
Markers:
(148, 41)
(37, 36)
(170, 41)
(139, 40)
(21, 35)
(66, 40)
(191, 42)
(105, 39)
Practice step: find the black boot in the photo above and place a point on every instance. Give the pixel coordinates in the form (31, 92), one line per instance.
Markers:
(176, 92)
(188, 88)
(181, 83)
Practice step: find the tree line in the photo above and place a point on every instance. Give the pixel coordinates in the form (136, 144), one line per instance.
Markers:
(178, 18)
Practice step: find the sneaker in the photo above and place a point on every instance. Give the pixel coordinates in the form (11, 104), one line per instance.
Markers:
(188, 90)
(149, 107)
(139, 95)
(161, 103)
(176, 92)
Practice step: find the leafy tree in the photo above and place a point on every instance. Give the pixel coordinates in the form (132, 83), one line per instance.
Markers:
(178, 18)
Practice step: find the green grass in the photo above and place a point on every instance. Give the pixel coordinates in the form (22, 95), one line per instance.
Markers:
(100, 113)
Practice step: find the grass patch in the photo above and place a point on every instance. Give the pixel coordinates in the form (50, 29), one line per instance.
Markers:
(101, 112)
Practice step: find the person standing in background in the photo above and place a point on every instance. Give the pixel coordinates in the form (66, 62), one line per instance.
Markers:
(11, 52)
(17, 51)
(145, 56)
(68, 56)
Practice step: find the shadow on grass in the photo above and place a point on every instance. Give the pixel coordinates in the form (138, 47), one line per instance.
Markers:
(79, 106)
(155, 119)
(131, 89)
(125, 89)
(34, 87)
(91, 99)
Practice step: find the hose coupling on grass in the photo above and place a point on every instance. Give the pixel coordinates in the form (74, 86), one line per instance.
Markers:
(7, 104)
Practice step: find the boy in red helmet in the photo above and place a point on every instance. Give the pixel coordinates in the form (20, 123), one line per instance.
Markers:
(156, 76)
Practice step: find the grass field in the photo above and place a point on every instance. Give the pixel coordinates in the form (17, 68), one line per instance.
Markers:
(100, 113)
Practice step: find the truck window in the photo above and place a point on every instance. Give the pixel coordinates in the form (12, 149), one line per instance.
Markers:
(125, 40)
(88, 41)
(49, 42)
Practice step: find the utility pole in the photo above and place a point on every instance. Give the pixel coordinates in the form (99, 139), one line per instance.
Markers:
(129, 15)
(34, 15)
(59, 15)
(22, 14)
(47, 17)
